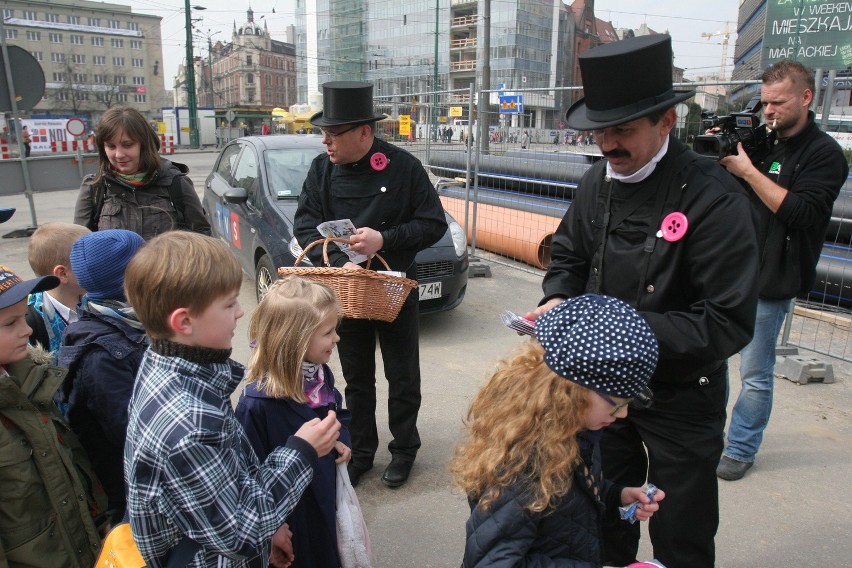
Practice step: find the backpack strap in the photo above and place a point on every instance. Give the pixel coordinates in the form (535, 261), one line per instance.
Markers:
(176, 197)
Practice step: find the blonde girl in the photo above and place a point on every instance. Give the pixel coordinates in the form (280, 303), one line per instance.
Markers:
(529, 461)
(293, 333)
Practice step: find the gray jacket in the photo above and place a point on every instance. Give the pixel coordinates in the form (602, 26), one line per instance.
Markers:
(147, 210)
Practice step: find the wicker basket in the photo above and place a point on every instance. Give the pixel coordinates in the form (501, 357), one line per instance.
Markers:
(363, 294)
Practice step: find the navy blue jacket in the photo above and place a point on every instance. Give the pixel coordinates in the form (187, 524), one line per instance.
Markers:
(268, 422)
(568, 534)
(102, 355)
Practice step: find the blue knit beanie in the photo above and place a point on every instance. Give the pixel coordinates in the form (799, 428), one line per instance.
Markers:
(99, 259)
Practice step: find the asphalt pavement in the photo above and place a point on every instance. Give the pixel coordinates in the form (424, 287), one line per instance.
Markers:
(791, 509)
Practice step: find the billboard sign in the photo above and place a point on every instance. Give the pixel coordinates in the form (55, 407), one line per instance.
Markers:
(813, 32)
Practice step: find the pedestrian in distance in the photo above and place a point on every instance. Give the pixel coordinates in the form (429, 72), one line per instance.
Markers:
(792, 185)
(190, 469)
(386, 193)
(135, 188)
(27, 139)
(293, 335)
(672, 234)
(530, 462)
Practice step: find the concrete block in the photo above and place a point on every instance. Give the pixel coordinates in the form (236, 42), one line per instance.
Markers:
(803, 370)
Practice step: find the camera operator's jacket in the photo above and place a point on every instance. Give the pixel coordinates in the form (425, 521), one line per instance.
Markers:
(813, 169)
(699, 293)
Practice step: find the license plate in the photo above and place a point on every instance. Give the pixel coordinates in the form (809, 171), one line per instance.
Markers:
(430, 291)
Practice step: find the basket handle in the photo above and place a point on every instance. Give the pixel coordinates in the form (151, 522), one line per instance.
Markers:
(325, 242)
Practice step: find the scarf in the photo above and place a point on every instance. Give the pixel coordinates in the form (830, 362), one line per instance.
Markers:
(316, 389)
(113, 309)
(134, 180)
(642, 173)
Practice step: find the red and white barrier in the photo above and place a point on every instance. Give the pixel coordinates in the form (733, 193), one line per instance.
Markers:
(5, 154)
(72, 146)
(167, 144)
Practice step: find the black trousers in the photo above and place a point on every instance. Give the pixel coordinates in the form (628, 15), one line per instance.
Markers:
(399, 342)
(676, 445)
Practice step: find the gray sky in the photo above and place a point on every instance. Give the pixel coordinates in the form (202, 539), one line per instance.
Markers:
(684, 19)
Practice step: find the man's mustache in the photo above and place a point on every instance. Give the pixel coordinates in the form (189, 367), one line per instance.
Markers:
(617, 153)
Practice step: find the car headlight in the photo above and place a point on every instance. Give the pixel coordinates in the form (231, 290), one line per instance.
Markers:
(459, 238)
(296, 249)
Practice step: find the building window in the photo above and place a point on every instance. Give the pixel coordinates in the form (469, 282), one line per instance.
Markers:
(54, 18)
(81, 96)
(98, 41)
(118, 61)
(137, 62)
(78, 58)
(138, 80)
(121, 97)
(119, 80)
(75, 20)
(11, 34)
(62, 95)
(99, 60)
(135, 44)
(117, 42)
(114, 24)
(248, 59)
(30, 15)
(99, 78)
(250, 78)
(139, 98)
(39, 56)
(133, 26)
(57, 57)
(60, 77)
(77, 39)
(95, 22)
(8, 13)
(55, 38)
(80, 77)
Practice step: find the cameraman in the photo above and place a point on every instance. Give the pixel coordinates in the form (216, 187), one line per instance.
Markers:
(793, 190)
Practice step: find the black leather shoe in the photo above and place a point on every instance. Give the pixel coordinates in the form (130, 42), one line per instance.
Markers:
(397, 471)
(356, 470)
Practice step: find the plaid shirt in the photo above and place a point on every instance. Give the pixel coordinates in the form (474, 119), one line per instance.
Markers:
(191, 470)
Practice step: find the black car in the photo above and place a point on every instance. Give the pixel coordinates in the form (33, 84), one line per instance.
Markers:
(250, 199)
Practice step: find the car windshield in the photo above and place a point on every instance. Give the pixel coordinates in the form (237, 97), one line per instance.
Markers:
(287, 169)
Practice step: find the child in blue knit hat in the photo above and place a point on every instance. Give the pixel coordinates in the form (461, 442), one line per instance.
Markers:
(530, 463)
(102, 352)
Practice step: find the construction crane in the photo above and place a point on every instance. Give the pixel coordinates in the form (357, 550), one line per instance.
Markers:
(725, 34)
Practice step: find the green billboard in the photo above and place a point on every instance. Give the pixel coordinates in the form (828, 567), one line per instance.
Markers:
(817, 33)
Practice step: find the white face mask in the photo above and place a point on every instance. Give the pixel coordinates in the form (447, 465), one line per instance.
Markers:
(642, 173)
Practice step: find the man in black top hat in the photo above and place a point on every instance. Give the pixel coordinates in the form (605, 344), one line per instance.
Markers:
(387, 194)
(672, 234)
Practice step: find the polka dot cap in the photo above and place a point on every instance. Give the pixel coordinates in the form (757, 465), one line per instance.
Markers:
(600, 343)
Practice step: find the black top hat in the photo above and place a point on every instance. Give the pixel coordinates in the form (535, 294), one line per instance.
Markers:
(346, 102)
(625, 80)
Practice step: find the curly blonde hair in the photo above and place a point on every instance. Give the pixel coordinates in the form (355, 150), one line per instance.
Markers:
(281, 329)
(521, 429)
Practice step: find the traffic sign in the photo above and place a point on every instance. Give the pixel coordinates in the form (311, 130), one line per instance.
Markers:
(75, 127)
(511, 104)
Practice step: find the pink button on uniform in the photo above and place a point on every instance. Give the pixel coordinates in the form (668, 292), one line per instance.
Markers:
(674, 226)
(378, 161)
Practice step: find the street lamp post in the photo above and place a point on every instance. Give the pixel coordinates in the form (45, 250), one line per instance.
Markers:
(191, 102)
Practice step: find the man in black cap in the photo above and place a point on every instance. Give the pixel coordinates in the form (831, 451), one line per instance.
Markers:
(386, 193)
(672, 234)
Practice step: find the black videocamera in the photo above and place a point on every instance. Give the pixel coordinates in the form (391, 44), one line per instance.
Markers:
(742, 127)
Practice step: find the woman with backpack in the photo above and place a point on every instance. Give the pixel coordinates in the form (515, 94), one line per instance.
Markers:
(135, 188)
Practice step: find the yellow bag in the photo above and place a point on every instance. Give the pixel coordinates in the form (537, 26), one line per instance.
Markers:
(119, 550)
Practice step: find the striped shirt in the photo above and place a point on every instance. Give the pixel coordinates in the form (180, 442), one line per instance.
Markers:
(191, 470)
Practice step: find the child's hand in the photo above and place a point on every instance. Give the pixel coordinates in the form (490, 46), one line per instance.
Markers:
(646, 508)
(282, 548)
(344, 451)
(321, 434)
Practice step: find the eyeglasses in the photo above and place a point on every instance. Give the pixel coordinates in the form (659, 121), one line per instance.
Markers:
(641, 401)
(334, 135)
